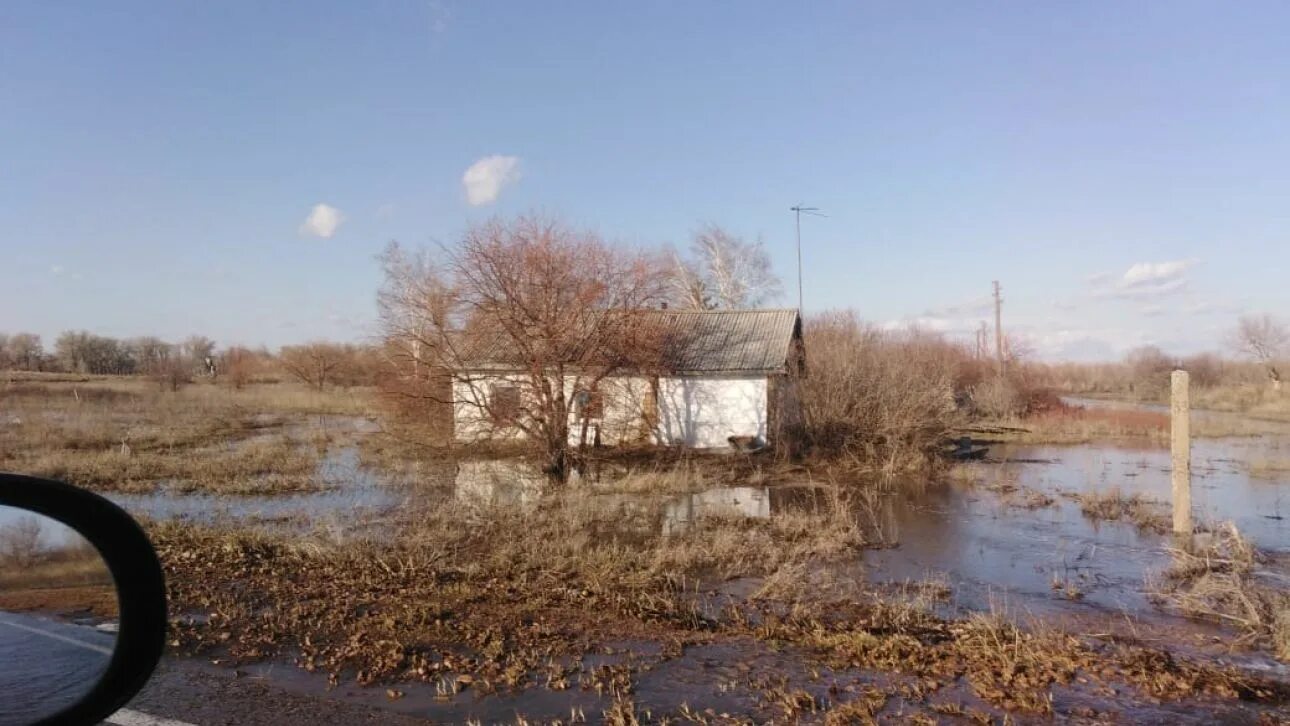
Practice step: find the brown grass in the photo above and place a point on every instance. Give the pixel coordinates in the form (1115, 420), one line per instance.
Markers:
(1075, 425)
(1113, 505)
(125, 434)
(1218, 581)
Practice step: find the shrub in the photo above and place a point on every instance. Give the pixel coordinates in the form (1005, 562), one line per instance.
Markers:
(878, 399)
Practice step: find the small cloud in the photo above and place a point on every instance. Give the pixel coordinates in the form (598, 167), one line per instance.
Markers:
(55, 269)
(485, 178)
(1154, 273)
(440, 14)
(1144, 279)
(1099, 278)
(323, 220)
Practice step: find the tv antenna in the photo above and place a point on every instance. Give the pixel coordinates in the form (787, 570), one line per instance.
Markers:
(799, 210)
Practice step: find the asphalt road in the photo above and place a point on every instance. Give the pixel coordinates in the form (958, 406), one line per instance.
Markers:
(46, 664)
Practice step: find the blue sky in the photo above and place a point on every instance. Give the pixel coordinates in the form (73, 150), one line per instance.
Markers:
(1122, 168)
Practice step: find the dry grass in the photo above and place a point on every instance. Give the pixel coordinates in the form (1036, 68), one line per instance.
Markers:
(500, 594)
(1072, 425)
(1219, 581)
(1113, 505)
(1266, 468)
(125, 434)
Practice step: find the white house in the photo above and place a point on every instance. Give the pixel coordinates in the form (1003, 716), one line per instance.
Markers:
(727, 377)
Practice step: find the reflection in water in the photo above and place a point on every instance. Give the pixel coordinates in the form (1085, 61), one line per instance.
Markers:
(684, 510)
(54, 588)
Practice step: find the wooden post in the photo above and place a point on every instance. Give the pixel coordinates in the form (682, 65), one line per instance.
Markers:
(1180, 447)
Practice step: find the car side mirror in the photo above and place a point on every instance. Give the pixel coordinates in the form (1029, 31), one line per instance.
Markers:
(82, 604)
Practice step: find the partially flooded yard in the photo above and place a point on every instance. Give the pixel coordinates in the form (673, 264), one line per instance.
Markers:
(707, 589)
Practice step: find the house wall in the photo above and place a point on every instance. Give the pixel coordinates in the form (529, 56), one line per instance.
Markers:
(705, 412)
(690, 411)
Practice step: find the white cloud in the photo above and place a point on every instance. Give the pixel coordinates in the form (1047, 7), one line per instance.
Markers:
(1144, 279)
(55, 269)
(1154, 273)
(323, 221)
(485, 178)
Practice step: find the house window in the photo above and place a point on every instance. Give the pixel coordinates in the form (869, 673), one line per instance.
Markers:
(589, 404)
(504, 403)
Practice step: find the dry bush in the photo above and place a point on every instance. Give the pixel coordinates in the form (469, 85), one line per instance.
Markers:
(997, 397)
(878, 399)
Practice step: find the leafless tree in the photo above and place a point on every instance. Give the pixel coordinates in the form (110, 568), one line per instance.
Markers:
(25, 351)
(1265, 339)
(20, 543)
(317, 363)
(200, 352)
(723, 271)
(520, 315)
(239, 365)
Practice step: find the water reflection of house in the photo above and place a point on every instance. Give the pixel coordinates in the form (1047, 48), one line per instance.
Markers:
(718, 375)
(499, 482)
(747, 502)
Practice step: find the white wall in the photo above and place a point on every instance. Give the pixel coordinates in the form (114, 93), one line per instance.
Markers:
(696, 412)
(705, 412)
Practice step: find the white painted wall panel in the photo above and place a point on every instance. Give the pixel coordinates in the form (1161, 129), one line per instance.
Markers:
(705, 412)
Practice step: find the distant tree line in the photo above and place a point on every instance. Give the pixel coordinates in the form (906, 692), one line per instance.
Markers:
(317, 364)
(1261, 344)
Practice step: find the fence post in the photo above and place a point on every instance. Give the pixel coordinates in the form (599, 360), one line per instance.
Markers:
(1180, 448)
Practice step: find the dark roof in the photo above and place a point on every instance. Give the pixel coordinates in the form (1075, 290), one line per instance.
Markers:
(695, 341)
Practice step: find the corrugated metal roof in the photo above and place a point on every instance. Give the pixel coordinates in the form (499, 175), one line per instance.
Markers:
(740, 341)
(693, 341)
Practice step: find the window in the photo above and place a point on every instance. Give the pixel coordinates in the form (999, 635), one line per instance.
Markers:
(504, 403)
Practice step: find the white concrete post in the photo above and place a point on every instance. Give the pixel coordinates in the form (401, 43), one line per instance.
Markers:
(1180, 448)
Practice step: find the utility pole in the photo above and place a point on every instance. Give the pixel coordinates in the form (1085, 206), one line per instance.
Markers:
(998, 325)
(798, 210)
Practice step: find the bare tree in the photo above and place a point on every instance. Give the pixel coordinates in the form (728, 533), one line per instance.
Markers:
(200, 352)
(1265, 339)
(25, 351)
(20, 543)
(239, 365)
(522, 315)
(317, 363)
(723, 271)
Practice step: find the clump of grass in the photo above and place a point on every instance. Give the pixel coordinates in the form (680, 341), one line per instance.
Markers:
(1218, 581)
(1266, 468)
(1112, 505)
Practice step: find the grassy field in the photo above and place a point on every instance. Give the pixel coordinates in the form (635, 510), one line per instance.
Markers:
(127, 434)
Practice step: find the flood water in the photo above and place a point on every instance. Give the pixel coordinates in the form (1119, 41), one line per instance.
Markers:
(1013, 539)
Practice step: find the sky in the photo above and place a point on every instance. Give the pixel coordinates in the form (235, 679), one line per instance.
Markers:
(232, 169)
